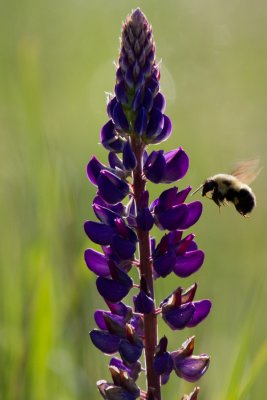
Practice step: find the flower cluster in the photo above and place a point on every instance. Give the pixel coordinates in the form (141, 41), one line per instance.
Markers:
(125, 218)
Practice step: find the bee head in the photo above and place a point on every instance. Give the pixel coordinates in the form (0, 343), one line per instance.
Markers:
(208, 186)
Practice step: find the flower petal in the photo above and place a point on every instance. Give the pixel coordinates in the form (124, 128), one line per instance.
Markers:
(119, 309)
(153, 85)
(165, 133)
(119, 118)
(99, 233)
(191, 368)
(182, 195)
(165, 378)
(202, 309)
(105, 341)
(178, 317)
(93, 170)
(118, 209)
(189, 263)
(111, 188)
(165, 200)
(155, 166)
(164, 264)
(120, 92)
(144, 220)
(173, 218)
(113, 392)
(148, 100)
(105, 215)
(159, 102)
(99, 317)
(140, 124)
(132, 370)
(129, 160)
(110, 138)
(177, 163)
(143, 303)
(156, 123)
(112, 290)
(184, 245)
(114, 161)
(130, 352)
(194, 213)
(137, 100)
(123, 247)
(96, 262)
(110, 106)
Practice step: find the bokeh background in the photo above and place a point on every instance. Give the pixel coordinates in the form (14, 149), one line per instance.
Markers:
(56, 64)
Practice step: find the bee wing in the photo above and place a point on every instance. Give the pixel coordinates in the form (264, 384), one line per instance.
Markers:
(247, 171)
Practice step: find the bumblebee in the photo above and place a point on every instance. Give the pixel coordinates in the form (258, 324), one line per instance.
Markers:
(233, 188)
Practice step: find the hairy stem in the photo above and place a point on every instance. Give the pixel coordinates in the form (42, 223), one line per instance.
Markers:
(150, 320)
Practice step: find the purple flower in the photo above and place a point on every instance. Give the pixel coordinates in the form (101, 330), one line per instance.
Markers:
(129, 160)
(94, 167)
(178, 255)
(133, 370)
(111, 139)
(113, 232)
(186, 365)
(118, 337)
(131, 347)
(163, 362)
(122, 388)
(121, 314)
(182, 361)
(136, 119)
(136, 89)
(180, 311)
(115, 287)
(105, 341)
(166, 168)
(96, 262)
(171, 213)
(111, 188)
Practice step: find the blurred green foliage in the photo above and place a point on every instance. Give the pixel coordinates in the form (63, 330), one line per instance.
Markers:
(55, 65)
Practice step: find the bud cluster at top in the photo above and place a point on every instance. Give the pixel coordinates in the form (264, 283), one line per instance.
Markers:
(137, 107)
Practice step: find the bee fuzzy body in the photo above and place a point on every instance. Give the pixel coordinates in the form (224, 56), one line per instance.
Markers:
(225, 188)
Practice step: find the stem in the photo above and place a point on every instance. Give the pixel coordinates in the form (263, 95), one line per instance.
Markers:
(146, 264)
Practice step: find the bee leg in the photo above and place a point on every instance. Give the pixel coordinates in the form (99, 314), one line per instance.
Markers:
(215, 198)
(245, 215)
(218, 203)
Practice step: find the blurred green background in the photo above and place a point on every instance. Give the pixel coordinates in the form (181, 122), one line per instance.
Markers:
(56, 64)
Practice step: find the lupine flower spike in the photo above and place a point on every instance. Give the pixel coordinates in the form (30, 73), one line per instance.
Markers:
(126, 216)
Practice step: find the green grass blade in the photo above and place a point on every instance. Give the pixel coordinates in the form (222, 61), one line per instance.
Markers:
(257, 364)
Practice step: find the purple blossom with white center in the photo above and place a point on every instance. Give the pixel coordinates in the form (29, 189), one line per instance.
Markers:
(126, 216)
